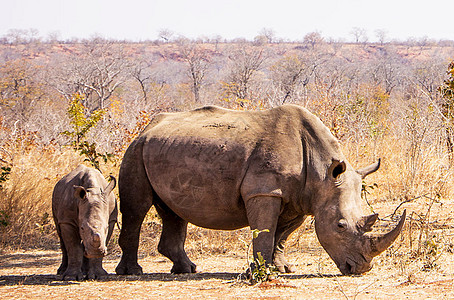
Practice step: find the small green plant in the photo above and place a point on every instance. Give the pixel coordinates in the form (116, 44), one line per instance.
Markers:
(432, 254)
(259, 271)
(262, 271)
(81, 125)
(4, 219)
(4, 175)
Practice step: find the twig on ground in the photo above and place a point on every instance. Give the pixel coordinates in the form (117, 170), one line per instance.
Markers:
(406, 201)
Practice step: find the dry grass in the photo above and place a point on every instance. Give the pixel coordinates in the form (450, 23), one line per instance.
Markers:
(26, 198)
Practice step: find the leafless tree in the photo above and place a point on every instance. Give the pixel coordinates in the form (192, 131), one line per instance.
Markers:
(96, 72)
(385, 71)
(269, 34)
(359, 35)
(245, 60)
(21, 90)
(140, 71)
(166, 34)
(381, 35)
(197, 60)
(313, 38)
(289, 73)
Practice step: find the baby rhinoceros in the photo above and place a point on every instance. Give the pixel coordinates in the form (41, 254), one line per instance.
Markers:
(85, 213)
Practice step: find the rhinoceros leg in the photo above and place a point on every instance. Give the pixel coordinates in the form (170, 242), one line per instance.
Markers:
(173, 236)
(74, 251)
(136, 198)
(85, 263)
(283, 231)
(64, 259)
(263, 213)
(129, 241)
(95, 269)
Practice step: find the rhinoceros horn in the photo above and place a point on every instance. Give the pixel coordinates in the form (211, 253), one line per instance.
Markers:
(378, 244)
(369, 169)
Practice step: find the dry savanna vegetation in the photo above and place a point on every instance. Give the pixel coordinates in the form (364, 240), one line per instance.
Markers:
(66, 103)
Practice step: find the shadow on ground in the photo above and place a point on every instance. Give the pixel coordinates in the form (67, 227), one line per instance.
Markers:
(55, 280)
(29, 260)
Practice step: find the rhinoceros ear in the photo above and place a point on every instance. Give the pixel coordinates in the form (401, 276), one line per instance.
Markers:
(79, 192)
(337, 168)
(111, 185)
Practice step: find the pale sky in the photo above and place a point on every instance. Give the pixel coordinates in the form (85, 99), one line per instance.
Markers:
(289, 19)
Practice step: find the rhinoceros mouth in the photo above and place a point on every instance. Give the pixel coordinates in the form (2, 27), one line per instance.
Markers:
(95, 254)
(352, 267)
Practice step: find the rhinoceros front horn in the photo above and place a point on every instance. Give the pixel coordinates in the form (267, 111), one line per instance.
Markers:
(379, 244)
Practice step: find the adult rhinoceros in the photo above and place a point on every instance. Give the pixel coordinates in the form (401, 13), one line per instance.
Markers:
(224, 169)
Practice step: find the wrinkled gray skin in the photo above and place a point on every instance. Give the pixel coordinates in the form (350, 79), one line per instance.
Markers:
(85, 212)
(224, 169)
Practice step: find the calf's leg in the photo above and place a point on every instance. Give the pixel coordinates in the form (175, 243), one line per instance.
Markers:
(95, 269)
(64, 259)
(74, 251)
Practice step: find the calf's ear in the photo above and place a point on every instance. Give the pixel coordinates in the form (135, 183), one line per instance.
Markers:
(111, 185)
(79, 192)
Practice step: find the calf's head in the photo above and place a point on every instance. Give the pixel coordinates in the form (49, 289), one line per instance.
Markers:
(94, 212)
(340, 226)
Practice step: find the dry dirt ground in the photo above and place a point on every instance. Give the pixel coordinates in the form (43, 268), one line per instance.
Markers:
(31, 274)
(399, 272)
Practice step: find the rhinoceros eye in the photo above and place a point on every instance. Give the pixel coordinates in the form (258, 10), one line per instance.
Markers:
(342, 225)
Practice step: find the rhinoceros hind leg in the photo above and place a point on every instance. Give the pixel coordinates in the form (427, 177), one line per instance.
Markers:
(136, 198)
(173, 236)
(129, 241)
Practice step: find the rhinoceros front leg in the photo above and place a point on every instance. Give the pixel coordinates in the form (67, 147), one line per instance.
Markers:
(173, 236)
(95, 269)
(263, 213)
(283, 231)
(74, 250)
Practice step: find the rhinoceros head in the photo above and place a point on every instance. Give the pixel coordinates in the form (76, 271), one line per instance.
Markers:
(94, 212)
(340, 226)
